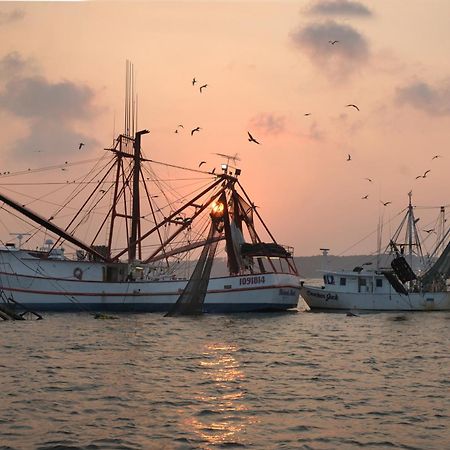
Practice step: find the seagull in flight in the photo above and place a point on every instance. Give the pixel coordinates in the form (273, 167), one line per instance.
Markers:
(201, 162)
(307, 114)
(349, 157)
(369, 179)
(203, 87)
(251, 138)
(385, 203)
(365, 197)
(194, 81)
(353, 106)
(436, 156)
(80, 145)
(429, 231)
(424, 175)
(194, 130)
(333, 42)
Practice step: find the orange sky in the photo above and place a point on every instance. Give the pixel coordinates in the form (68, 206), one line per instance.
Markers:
(266, 64)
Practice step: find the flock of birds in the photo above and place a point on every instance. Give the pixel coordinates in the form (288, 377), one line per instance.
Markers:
(252, 139)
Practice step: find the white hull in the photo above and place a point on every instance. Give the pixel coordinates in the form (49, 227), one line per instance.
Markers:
(50, 285)
(318, 298)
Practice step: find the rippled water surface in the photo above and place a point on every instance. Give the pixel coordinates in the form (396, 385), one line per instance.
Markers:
(294, 380)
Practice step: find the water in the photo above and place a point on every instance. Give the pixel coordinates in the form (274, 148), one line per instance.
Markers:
(293, 381)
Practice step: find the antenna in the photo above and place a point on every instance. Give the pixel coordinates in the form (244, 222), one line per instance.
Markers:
(130, 101)
(20, 236)
(229, 158)
(324, 257)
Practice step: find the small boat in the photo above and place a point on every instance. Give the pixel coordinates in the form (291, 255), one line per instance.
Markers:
(394, 288)
(146, 233)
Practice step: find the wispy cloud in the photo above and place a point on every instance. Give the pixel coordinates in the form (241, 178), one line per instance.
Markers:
(340, 8)
(268, 123)
(434, 100)
(11, 16)
(51, 110)
(32, 97)
(339, 60)
(14, 64)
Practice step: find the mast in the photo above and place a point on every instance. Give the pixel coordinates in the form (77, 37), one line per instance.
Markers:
(136, 209)
(410, 229)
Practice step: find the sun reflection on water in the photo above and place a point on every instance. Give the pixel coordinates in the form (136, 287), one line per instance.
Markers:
(220, 414)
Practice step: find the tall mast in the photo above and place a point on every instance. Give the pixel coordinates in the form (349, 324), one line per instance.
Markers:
(441, 231)
(410, 228)
(136, 208)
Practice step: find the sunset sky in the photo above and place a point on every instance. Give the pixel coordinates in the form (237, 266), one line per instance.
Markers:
(267, 65)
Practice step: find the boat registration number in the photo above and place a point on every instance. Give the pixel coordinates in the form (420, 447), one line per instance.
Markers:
(257, 279)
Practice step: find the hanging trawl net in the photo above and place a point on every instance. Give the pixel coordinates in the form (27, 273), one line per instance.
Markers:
(193, 296)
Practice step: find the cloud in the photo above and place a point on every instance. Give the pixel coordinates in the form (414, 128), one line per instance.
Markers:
(13, 64)
(340, 8)
(37, 97)
(12, 16)
(268, 123)
(422, 96)
(339, 60)
(51, 110)
(49, 137)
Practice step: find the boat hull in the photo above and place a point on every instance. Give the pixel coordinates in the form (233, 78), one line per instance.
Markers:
(51, 286)
(322, 299)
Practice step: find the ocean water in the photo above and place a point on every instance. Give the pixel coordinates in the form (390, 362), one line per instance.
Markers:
(295, 380)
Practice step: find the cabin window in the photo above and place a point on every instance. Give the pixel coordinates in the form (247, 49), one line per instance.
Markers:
(328, 279)
(379, 282)
(362, 282)
(343, 281)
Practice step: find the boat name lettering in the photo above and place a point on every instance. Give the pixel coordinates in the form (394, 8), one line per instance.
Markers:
(288, 292)
(327, 296)
(257, 279)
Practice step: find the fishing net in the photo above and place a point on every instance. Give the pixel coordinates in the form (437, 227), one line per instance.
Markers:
(193, 296)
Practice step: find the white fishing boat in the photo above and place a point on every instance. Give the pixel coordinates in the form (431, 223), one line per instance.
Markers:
(146, 242)
(395, 288)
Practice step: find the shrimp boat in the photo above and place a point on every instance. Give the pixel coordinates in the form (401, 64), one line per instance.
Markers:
(147, 237)
(394, 288)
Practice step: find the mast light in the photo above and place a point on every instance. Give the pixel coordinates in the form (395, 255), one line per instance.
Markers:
(217, 209)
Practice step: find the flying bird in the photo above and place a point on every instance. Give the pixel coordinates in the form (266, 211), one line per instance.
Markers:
(369, 179)
(353, 106)
(80, 145)
(333, 42)
(194, 81)
(349, 157)
(194, 130)
(436, 156)
(201, 162)
(202, 87)
(251, 138)
(365, 197)
(213, 171)
(385, 203)
(180, 126)
(424, 175)
(429, 231)
(307, 114)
